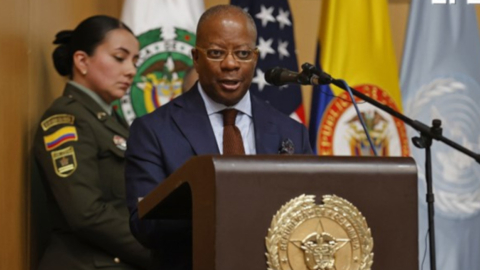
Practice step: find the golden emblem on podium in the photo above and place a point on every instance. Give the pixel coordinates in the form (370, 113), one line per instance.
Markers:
(306, 236)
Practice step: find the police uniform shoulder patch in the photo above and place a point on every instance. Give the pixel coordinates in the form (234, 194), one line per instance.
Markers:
(57, 119)
(59, 137)
(64, 161)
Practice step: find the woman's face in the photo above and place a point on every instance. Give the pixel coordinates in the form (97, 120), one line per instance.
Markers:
(111, 67)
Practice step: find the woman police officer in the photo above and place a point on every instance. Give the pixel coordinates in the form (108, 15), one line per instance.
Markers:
(79, 147)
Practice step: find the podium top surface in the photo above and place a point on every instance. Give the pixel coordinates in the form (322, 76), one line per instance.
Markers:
(201, 173)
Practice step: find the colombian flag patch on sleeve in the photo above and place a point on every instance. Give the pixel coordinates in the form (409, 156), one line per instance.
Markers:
(59, 137)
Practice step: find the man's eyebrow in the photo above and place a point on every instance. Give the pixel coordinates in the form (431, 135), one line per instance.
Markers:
(236, 46)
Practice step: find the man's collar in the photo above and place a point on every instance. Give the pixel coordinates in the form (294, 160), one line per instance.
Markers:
(244, 105)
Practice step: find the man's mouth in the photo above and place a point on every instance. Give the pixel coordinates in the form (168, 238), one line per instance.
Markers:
(230, 84)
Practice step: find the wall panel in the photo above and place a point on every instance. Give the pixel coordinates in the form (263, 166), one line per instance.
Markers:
(13, 87)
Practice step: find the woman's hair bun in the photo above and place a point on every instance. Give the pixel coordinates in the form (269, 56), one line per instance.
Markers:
(62, 60)
(62, 54)
(63, 37)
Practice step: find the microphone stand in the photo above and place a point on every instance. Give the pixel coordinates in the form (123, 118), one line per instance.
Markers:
(424, 141)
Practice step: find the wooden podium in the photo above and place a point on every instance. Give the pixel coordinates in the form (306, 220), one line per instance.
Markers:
(231, 201)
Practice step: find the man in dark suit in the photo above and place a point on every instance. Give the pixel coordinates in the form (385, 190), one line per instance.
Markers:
(196, 124)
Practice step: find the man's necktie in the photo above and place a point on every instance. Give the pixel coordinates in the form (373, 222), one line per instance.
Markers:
(232, 139)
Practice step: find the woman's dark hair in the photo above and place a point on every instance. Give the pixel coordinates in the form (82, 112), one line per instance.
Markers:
(86, 37)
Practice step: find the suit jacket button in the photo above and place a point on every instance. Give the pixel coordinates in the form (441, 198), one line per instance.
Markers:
(116, 260)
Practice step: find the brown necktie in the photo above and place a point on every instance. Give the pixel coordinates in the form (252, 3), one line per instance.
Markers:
(232, 139)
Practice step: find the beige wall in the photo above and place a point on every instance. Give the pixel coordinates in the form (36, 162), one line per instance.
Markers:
(28, 84)
(13, 73)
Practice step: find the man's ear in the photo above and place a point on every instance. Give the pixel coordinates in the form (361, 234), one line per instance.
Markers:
(80, 62)
(195, 58)
(194, 54)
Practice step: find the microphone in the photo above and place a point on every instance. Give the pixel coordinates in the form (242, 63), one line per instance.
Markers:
(280, 76)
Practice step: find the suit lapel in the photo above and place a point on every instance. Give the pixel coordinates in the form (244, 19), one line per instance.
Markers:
(267, 139)
(191, 117)
(92, 106)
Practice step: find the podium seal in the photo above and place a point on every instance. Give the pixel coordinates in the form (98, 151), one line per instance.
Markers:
(306, 236)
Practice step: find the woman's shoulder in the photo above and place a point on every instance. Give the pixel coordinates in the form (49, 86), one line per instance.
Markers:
(66, 105)
(64, 113)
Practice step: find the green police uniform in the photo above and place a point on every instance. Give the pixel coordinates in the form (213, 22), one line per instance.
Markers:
(80, 151)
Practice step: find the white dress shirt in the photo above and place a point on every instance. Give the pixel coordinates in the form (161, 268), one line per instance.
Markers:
(244, 120)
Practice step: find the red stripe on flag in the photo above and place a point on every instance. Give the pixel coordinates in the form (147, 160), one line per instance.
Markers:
(300, 111)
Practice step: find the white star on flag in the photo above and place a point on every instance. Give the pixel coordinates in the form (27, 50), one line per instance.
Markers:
(265, 47)
(282, 49)
(260, 80)
(282, 18)
(265, 15)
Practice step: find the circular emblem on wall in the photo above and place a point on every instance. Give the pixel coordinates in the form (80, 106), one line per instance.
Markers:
(331, 236)
(454, 100)
(341, 133)
(160, 70)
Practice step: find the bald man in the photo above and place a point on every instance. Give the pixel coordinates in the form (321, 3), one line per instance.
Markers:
(224, 57)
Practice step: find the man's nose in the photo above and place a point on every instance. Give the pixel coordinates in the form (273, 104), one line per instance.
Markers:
(230, 62)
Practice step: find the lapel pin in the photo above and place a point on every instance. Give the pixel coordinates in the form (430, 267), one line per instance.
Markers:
(120, 142)
(286, 148)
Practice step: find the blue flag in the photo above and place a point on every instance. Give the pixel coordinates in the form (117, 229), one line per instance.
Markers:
(321, 97)
(440, 79)
(277, 48)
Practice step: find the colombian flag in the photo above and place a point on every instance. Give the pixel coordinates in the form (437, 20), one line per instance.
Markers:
(59, 137)
(355, 45)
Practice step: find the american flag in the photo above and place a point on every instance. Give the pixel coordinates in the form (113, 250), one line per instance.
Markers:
(276, 45)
